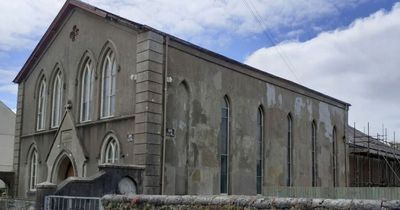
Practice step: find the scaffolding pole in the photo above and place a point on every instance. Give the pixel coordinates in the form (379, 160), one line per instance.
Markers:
(369, 161)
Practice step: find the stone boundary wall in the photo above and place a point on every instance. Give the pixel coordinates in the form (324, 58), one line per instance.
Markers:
(186, 202)
(16, 204)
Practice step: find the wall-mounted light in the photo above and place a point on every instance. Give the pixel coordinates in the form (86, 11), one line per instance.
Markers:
(130, 137)
(169, 79)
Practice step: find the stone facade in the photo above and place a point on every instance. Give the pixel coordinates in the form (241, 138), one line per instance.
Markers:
(164, 83)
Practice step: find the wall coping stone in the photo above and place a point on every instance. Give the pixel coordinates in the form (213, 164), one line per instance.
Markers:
(102, 166)
(252, 202)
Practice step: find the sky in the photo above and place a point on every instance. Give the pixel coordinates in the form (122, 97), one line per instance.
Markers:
(348, 49)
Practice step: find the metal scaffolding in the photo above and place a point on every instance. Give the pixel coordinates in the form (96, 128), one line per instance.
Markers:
(384, 154)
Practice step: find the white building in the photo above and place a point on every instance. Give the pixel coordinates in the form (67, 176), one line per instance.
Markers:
(7, 125)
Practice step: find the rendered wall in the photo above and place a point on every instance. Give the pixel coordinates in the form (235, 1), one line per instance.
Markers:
(195, 97)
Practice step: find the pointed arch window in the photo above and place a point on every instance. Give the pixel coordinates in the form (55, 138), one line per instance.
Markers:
(108, 85)
(57, 105)
(334, 157)
(314, 165)
(41, 105)
(289, 150)
(259, 150)
(87, 91)
(111, 150)
(224, 147)
(33, 169)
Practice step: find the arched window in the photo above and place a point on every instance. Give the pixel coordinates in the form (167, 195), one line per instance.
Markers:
(108, 84)
(289, 150)
(334, 157)
(57, 106)
(41, 105)
(87, 91)
(314, 160)
(224, 147)
(259, 149)
(111, 150)
(33, 169)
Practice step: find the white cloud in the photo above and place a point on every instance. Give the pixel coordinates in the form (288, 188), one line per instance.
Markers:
(24, 21)
(359, 64)
(6, 86)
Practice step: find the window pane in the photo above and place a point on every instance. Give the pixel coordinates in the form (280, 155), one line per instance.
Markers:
(224, 146)
(224, 186)
(224, 166)
(86, 97)
(259, 184)
(224, 150)
(259, 168)
(57, 100)
(41, 105)
(224, 174)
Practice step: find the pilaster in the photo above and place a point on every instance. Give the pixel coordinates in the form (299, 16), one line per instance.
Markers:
(17, 138)
(149, 108)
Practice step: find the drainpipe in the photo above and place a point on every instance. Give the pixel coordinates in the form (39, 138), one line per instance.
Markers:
(164, 127)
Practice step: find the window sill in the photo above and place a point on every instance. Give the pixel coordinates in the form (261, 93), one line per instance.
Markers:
(85, 121)
(104, 120)
(106, 117)
(39, 133)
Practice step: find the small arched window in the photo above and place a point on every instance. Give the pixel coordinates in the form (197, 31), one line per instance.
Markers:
(41, 105)
(33, 169)
(57, 106)
(108, 84)
(111, 150)
(87, 91)
(224, 146)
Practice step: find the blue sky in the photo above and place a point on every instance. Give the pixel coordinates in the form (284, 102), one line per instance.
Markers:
(313, 35)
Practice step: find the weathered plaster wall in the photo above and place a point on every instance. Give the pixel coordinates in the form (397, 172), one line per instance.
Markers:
(195, 98)
(95, 34)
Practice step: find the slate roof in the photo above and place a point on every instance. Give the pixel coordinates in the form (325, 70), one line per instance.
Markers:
(358, 142)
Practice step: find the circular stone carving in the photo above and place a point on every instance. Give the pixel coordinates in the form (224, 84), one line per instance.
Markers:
(127, 186)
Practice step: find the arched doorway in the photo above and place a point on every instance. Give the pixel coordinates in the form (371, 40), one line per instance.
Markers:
(64, 170)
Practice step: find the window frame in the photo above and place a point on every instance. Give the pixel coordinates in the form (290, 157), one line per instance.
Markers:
(314, 159)
(33, 170)
(87, 86)
(108, 77)
(41, 106)
(334, 156)
(111, 143)
(260, 151)
(57, 97)
(224, 157)
(289, 178)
